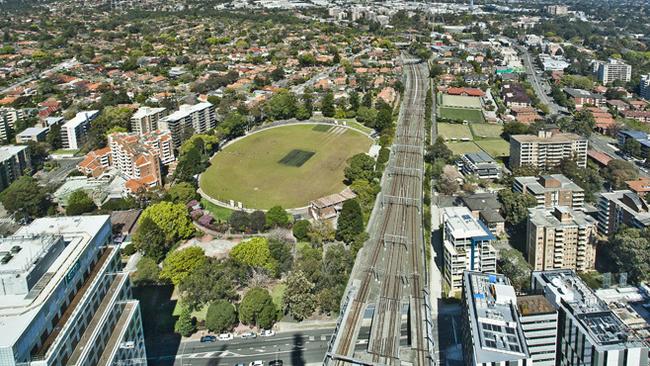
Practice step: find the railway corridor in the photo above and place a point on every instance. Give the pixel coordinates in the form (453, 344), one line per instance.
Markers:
(388, 294)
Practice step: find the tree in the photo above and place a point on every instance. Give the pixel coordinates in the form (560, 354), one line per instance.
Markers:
(366, 101)
(366, 193)
(150, 240)
(221, 316)
(79, 203)
(632, 147)
(350, 221)
(630, 251)
(183, 192)
(301, 229)
(354, 100)
(239, 221)
(24, 198)
(360, 166)
(172, 218)
(282, 105)
(329, 299)
(211, 281)
(588, 179)
(327, 105)
(582, 123)
(179, 264)
(298, 297)
(147, 272)
(367, 116)
(281, 253)
(54, 137)
(617, 172)
(384, 118)
(514, 128)
(513, 265)
(255, 253)
(439, 150)
(234, 125)
(516, 205)
(258, 221)
(255, 308)
(321, 232)
(185, 325)
(276, 216)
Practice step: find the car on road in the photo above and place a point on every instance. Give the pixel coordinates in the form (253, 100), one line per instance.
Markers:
(248, 335)
(225, 336)
(276, 363)
(267, 333)
(208, 338)
(256, 363)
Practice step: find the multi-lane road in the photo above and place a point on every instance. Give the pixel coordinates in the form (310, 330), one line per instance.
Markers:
(292, 348)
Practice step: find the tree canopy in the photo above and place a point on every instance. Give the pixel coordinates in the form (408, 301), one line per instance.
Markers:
(181, 263)
(256, 308)
(299, 298)
(360, 166)
(255, 253)
(172, 218)
(24, 198)
(79, 203)
(630, 251)
(210, 281)
(221, 316)
(350, 221)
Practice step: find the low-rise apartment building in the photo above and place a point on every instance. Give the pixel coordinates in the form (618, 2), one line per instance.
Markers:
(64, 299)
(551, 190)
(189, 120)
(75, 131)
(547, 149)
(581, 98)
(467, 246)
(14, 161)
(622, 207)
(479, 164)
(145, 119)
(589, 333)
(560, 237)
(491, 330)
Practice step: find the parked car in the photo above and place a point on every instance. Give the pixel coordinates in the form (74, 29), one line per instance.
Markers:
(248, 335)
(276, 363)
(267, 333)
(256, 363)
(208, 338)
(225, 336)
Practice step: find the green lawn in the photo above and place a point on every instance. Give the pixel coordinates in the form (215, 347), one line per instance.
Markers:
(250, 171)
(495, 147)
(219, 213)
(277, 294)
(359, 126)
(460, 114)
(454, 131)
(484, 130)
(463, 147)
(463, 101)
(199, 314)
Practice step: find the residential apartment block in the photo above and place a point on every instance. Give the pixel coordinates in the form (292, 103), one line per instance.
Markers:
(138, 158)
(622, 207)
(551, 190)
(560, 237)
(14, 160)
(644, 87)
(64, 300)
(538, 319)
(491, 330)
(145, 119)
(589, 333)
(479, 164)
(467, 246)
(74, 132)
(547, 149)
(188, 120)
(8, 118)
(612, 70)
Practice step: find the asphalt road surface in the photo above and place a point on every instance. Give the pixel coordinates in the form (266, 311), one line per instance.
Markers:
(538, 85)
(296, 348)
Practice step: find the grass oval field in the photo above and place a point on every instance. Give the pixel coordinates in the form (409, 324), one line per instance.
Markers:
(287, 166)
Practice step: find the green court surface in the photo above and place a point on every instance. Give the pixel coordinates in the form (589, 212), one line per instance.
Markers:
(484, 130)
(460, 114)
(459, 148)
(287, 166)
(495, 147)
(452, 131)
(461, 101)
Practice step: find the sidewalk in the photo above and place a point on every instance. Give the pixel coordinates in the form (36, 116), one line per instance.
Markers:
(279, 328)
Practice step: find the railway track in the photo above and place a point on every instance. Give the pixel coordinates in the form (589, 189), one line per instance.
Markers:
(391, 279)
